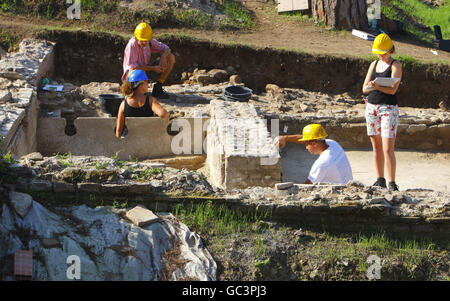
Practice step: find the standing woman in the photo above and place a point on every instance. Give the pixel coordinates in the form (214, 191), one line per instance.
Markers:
(382, 109)
(138, 103)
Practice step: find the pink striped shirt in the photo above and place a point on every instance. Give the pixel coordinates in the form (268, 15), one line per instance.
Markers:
(135, 55)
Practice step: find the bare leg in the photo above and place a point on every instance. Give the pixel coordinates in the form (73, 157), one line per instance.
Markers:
(388, 151)
(378, 155)
(170, 61)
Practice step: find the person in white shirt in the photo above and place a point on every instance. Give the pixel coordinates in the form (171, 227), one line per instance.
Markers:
(332, 166)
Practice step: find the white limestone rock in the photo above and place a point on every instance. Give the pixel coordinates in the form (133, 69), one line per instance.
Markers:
(22, 202)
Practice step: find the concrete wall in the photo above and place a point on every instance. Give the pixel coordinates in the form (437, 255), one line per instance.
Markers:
(147, 137)
(240, 153)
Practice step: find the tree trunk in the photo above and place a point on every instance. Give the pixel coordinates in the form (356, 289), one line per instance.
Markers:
(342, 14)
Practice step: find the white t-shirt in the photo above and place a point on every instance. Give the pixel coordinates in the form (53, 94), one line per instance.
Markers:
(332, 166)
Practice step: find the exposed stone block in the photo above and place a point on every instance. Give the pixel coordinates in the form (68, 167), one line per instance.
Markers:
(89, 187)
(141, 216)
(63, 187)
(41, 185)
(139, 188)
(114, 189)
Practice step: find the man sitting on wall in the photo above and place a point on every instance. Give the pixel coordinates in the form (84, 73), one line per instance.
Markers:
(137, 56)
(332, 166)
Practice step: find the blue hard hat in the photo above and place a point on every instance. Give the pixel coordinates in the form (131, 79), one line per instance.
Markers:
(136, 76)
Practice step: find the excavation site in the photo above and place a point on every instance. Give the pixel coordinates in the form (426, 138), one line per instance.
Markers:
(206, 194)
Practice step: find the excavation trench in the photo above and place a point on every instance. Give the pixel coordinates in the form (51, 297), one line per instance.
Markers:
(71, 121)
(84, 57)
(102, 170)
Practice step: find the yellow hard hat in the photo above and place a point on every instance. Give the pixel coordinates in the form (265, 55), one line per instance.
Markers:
(143, 32)
(313, 132)
(382, 44)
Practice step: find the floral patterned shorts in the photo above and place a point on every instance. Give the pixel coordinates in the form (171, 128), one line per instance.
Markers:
(382, 120)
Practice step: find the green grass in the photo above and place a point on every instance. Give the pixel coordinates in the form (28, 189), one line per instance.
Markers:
(7, 41)
(6, 176)
(8, 158)
(406, 59)
(357, 248)
(148, 174)
(217, 219)
(296, 16)
(50, 9)
(193, 17)
(65, 159)
(420, 13)
(110, 14)
(238, 17)
(99, 165)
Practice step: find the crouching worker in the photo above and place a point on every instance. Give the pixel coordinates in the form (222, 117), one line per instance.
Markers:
(332, 166)
(137, 103)
(138, 54)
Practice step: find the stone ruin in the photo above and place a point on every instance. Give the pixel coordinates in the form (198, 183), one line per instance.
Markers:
(230, 140)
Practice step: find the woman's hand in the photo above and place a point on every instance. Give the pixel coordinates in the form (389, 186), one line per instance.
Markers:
(373, 84)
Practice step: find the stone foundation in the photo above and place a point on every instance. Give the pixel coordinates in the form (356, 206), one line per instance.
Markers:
(240, 151)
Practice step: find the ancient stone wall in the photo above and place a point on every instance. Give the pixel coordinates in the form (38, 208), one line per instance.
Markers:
(20, 76)
(348, 208)
(240, 153)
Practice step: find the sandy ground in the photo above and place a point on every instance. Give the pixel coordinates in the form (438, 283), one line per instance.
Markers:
(415, 169)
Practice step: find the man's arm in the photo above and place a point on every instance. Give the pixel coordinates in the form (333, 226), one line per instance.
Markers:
(282, 140)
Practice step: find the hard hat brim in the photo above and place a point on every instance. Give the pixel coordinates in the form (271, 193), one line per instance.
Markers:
(377, 51)
(317, 138)
(144, 40)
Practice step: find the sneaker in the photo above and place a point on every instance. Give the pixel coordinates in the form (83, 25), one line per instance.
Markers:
(393, 186)
(381, 182)
(159, 92)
